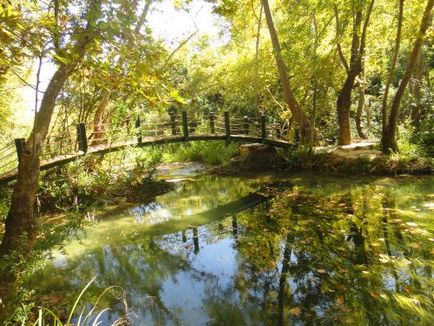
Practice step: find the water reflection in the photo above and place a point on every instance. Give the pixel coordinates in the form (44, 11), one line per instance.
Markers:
(324, 251)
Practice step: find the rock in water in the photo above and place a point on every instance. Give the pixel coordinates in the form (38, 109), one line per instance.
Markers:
(259, 156)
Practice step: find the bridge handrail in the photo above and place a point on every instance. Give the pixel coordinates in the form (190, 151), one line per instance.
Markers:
(134, 131)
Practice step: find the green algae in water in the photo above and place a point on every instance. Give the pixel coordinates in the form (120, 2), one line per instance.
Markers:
(326, 251)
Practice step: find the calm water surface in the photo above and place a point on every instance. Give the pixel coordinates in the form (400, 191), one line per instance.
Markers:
(212, 252)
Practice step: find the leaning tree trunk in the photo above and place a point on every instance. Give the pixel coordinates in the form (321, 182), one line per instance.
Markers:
(389, 136)
(343, 109)
(343, 103)
(307, 132)
(393, 66)
(416, 91)
(21, 224)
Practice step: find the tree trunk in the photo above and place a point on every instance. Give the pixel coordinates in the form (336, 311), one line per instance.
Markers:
(343, 108)
(415, 90)
(389, 136)
(307, 132)
(358, 44)
(393, 66)
(360, 106)
(21, 225)
(257, 80)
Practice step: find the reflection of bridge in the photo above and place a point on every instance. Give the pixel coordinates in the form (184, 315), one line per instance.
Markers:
(75, 143)
(206, 217)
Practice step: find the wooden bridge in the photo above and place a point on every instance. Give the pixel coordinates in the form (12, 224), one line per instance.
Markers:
(74, 142)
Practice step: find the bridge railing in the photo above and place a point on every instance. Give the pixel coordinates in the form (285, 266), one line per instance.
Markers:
(8, 157)
(61, 145)
(81, 138)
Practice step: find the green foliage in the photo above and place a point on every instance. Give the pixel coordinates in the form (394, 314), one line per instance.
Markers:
(122, 176)
(214, 153)
(5, 196)
(408, 147)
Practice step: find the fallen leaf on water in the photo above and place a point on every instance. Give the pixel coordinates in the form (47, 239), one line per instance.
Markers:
(407, 289)
(415, 301)
(384, 258)
(374, 294)
(296, 311)
(414, 245)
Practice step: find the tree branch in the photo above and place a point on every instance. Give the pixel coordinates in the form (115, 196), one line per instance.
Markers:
(338, 44)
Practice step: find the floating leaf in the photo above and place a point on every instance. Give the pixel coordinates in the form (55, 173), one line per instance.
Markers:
(296, 311)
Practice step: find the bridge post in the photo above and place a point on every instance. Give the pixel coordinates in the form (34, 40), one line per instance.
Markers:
(263, 129)
(20, 143)
(246, 125)
(227, 126)
(185, 124)
(212, 122)
(81, 137)
(138, 131)
(173, 123)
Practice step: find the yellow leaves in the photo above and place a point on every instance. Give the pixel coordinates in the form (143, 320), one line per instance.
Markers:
(7, 11)
(374, 294)
(177, 97)
(61, 59)
(414, 245)
(384, 258)
(340, 300)
(296, 311)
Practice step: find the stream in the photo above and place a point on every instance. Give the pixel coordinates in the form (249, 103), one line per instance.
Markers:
(215, 251)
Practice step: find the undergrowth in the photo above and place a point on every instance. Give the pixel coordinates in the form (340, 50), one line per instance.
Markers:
(79, 314)
(212, 153)
(99, 181)
(410, 160)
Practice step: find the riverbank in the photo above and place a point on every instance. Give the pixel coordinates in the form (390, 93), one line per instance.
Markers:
(362, 158)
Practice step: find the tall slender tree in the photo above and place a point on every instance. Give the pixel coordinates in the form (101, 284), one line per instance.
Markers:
(389, 135)
(353, 69)
(307, 133)
(393, 65)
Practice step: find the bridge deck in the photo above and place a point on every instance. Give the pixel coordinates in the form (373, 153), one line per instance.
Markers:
(146, 141)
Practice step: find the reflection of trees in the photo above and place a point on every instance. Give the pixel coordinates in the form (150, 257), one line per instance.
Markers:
(340, 263)
(140, 268)
(193, 197)
(346, 256)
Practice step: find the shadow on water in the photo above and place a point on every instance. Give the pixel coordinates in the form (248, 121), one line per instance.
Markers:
(325, 251)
